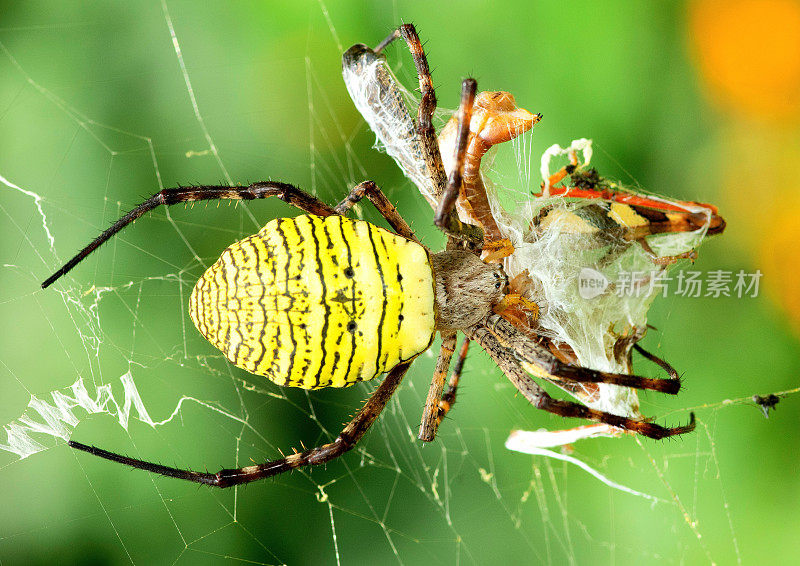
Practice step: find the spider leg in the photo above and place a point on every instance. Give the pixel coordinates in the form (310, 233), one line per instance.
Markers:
(446, 217)
(427, 104)
(382, 204)
(427, 133)
(345, 441)
(509, 363)
(655, 359)
(449, 398)
(540, 362)
(288, 193)
(430, 421)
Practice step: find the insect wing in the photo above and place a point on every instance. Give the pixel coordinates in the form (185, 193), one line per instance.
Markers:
(380, 99)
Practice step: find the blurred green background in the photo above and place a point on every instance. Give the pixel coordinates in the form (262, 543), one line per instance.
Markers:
(697, 100)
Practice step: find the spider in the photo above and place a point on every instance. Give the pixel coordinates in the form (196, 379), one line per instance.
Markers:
(321, 300)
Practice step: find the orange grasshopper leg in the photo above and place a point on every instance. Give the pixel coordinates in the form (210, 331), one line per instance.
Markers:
(496, 250)
(518, 310)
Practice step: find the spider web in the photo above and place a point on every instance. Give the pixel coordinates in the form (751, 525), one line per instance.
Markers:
(100, 108)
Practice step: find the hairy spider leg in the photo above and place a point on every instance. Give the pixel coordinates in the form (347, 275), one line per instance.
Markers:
(430, 421)
(264, 189)
(430, 144)
(447, 203)
(345, 441)
(673, 373)
(381, 203)
(449, 398)
(539, 361)
(506, 358)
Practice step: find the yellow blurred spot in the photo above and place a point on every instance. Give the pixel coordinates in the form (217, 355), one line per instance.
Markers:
(760, 196)
(780, 257)
(748, 52)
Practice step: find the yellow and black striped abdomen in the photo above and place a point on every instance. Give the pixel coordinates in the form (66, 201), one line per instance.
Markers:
(315, 302)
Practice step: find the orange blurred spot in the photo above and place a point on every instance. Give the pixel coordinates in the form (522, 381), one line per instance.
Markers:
(748, 52)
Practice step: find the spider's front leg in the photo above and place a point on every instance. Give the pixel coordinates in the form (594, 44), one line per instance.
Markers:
(446, 217)
(494, 119)
(382, 204)
(508, 361)
(539, 361)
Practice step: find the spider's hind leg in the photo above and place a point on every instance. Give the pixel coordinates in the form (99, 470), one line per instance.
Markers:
(166, 197)
(382, 204)
(344, 442)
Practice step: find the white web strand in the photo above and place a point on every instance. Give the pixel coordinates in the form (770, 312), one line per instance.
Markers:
(190, 90)
(58, 418)
(38, 202)
(526, 442)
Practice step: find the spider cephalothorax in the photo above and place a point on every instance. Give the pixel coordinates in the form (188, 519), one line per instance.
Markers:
(321, 300)
(466, 289)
